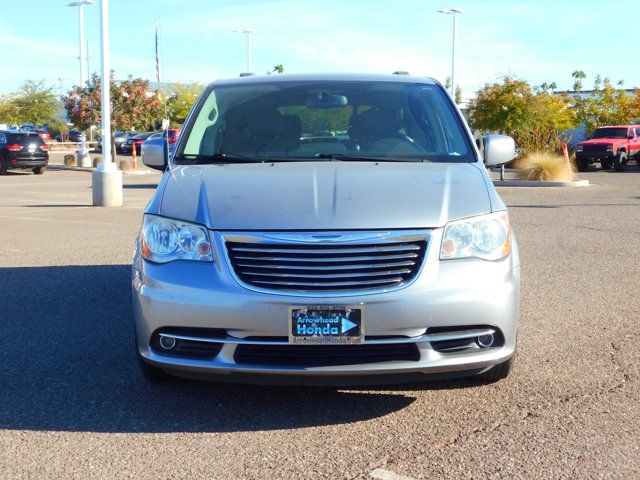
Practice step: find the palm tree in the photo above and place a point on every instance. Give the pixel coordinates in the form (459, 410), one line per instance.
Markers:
(579, 75)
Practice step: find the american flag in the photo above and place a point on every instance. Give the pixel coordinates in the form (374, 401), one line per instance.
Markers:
(157, 57)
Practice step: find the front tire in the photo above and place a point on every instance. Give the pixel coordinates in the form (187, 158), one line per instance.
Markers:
(39, 170)
(152, 373)
(621, 162)
(606, 164)
(498, 372)
(582, 164)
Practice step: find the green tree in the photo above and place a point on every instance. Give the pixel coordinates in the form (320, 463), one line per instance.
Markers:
(578, 76)
(276, 69)
(607, 106)
(133, 105)
(34, 102)
(534, 120)
(178, 105)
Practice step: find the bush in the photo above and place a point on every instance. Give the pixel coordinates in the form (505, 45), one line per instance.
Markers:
(124, 165)
(70, 160)
(544, 166)
(96, 160)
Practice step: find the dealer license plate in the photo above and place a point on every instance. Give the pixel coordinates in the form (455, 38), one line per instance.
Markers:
(326, 324)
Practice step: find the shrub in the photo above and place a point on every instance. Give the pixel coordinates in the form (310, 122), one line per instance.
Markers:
(544, 166)
(96, 160)
(124, 165)
(70, 160)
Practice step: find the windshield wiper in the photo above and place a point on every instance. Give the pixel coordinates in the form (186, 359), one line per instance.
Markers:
(357, 158)
(218, 157)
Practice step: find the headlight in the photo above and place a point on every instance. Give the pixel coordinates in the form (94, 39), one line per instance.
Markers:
(164, 240)
(609, 148)
(579, 148)
(487, 237)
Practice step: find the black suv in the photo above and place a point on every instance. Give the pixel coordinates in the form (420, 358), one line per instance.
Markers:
(20, 149)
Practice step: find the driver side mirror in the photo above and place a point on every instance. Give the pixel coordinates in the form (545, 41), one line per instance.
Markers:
(498, 150)
(155, 153)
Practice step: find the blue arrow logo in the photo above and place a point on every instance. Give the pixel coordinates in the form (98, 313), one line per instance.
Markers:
(347, 325)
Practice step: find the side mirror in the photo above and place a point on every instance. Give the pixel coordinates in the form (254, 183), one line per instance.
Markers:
(498, 149)
(155, 153)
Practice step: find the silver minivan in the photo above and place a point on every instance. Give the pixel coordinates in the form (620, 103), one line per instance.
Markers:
(326, 230)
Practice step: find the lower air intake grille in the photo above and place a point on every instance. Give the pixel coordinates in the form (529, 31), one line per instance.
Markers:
(324, 355)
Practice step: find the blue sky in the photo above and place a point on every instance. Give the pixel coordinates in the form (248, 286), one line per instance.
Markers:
(538, 40)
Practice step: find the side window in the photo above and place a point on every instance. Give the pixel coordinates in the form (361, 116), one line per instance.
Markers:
(637, 129)
(3, 138)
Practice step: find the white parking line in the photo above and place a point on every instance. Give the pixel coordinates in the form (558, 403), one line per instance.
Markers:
(382, 474)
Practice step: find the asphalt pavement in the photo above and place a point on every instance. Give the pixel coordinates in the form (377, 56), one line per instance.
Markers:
(73, 404)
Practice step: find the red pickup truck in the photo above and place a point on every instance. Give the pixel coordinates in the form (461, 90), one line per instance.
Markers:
(611, 146)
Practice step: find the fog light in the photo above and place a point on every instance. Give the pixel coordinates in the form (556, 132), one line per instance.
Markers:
(167, 342)
(486, 340)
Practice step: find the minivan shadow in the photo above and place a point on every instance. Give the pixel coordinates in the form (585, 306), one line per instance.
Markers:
(68, 364)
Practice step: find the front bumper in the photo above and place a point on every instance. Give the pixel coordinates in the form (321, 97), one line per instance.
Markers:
(458, 294)
(595, 156)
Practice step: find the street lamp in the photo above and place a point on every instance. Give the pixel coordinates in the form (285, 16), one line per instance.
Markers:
(248, 31)
(454, 12)
(106, 181)
(83, 73)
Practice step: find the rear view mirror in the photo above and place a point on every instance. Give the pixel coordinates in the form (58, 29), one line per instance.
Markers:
(155, 153)
(498, 150)
(325, 100)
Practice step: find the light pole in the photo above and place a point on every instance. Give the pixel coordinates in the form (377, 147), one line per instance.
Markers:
(83, 154)
(107, 179)
(454, 12)
(248, 31)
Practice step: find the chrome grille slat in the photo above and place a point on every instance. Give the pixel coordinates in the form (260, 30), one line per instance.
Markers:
(331, 284)
(308, 265)
(323, 250)
(362, 266)
(329, 275)
(329, 259)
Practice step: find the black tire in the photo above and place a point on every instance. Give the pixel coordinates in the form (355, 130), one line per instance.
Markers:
(152, 373)
(582, 164)
(39, 170)
(620, 163)
(606, 164)
(3, 168)
(498, 372)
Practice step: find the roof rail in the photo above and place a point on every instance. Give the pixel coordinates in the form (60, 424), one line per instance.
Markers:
(401, 72)
(247, 74)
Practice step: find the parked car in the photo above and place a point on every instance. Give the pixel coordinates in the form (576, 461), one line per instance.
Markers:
(135, 142)
(172, 135)
(73, 136)
(22, 150)
(383, 257)
(119, 139)
(611, 146)
(43, 134)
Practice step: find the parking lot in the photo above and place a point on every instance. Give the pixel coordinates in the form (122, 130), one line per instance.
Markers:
(73, 403)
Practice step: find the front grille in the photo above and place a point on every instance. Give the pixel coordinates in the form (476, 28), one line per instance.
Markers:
(324, 355)
(327, 267)
(594, 149)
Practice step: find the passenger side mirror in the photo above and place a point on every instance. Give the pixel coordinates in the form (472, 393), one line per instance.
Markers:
(155, 153)
(498, 149)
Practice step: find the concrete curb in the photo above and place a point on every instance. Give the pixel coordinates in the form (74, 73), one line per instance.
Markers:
(527, 183)
(89, 169)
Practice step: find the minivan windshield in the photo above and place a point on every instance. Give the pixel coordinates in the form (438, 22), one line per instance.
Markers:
(325, 120)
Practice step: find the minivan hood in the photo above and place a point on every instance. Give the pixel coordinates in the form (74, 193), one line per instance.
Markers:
(324, 195)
